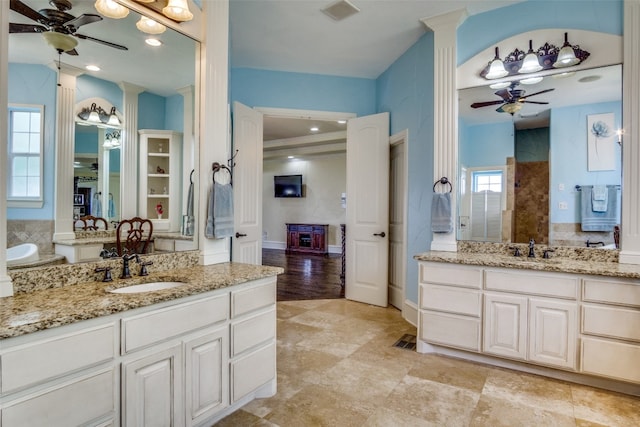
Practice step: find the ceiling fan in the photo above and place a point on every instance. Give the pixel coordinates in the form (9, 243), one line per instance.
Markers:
(56, 25)
(512, 99)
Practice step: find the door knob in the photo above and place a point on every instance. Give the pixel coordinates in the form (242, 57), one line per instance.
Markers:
(380, 234)
(238, 235)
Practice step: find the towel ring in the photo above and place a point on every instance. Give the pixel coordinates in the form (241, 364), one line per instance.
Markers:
(444, 180)
(217, 167)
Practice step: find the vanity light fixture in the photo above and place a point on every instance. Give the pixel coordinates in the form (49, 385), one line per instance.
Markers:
(150, 26)
(530, 63)
(178, 10)
(566, 56)
(496, 68)
(93, 115)
(619, 134)
(111, 9)
(112, 140)
(113, 118)
(546, 57)
(153, 42)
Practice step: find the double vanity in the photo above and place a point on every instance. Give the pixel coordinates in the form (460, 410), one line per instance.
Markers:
(567, 318)
(78, 351)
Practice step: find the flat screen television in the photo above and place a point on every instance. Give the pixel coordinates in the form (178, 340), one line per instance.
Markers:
(287, 185)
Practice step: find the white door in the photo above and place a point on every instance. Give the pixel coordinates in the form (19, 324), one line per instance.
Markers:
(247, 185)
(397, 215)
(367, 228)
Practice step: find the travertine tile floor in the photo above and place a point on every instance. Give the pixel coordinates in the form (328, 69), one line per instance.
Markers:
(337, 367)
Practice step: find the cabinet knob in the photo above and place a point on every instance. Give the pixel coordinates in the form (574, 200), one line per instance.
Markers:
(383, 234)
(238, 235)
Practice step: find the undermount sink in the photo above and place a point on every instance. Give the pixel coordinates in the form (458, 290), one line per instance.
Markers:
(146, 287)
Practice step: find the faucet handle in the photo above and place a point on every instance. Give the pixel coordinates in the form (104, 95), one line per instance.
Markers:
(516, 250)
(143, 268)
(107, 273)
(545, 253)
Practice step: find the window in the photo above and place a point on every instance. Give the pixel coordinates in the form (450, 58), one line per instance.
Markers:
(25, 157)
(487, 181)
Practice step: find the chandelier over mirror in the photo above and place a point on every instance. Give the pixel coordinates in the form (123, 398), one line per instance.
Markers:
(546, 57)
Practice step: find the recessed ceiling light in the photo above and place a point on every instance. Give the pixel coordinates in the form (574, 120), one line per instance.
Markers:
(342, 122)
(501, 85)
(589, 79)
(92, 68)
(314, 129)
(290, 157)
(153, 42)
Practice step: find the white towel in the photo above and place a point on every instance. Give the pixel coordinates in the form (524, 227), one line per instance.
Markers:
(599, 198)
(441, 221)
(96, 206)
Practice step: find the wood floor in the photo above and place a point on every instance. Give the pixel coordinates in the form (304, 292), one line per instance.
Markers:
(306, 276)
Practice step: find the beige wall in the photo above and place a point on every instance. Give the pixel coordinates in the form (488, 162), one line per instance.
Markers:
(323, 179)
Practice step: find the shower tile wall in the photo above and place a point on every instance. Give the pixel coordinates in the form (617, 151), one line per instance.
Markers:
(532, 202)
(39, 232)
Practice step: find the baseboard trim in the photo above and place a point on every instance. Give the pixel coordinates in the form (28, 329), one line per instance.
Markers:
(410, 312)
(273, 244)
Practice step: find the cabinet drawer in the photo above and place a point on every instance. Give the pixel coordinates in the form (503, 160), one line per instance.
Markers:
(38, 362)
(548, 284)
(253, 298)
(612, 322)
(451, 274)
(149, 328)
(66, 405)
(611, 359)
(253, 331)
(450, 299)
(613, 292)
(449, 329)
(252, 371)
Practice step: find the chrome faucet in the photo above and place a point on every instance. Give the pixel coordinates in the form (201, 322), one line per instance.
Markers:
(532, 253)
(126, 272)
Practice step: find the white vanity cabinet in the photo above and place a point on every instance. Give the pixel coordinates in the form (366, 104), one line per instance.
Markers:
(531, 316)
(610, 328)
(47, 377)
(160, 178)
(450, 305)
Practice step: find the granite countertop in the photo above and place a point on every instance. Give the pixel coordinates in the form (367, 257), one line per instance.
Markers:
(25, 313)
(558, 264)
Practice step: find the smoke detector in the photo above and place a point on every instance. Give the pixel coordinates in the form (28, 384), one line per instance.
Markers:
(340, 10)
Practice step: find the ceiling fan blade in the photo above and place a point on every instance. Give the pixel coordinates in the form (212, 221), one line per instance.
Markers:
(504, 94)
(26, 28)
(72, 52)
(84, 19)
(534, 102)
(106, 43)
(537, 93)
(485, 104)
(23, 9)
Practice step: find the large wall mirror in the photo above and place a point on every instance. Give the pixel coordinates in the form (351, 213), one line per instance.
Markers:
(165, 74)
(521, 175)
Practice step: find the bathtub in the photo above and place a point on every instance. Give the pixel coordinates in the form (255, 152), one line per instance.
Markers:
(22, 254)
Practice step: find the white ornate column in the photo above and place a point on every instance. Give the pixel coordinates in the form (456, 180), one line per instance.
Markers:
(64, 151)
(630, 228)
(445, 113)
(6, 288)
(129, 151)
(213, 119)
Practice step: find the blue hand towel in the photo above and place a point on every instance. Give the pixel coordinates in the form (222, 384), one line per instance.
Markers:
(220, 216)
(441, 221)
(599, 221)
(112, 208)
(599, 198)
(96, 206)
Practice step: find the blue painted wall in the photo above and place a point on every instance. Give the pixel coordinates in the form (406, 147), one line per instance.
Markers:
(36, 84)
(151, 111)
(405, 89)
(277, 89)
(174, 113)
(485, 145)
(569, 157)
(92, 87)
(480, 31)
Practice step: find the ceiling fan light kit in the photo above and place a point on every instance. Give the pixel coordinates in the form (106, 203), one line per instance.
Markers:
(547, 57)
(60, 42)
(111, 9)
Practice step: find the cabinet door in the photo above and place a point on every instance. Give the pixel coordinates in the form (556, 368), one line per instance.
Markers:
(553, 332)
(152, 390)
(206, 375)
(505, 325)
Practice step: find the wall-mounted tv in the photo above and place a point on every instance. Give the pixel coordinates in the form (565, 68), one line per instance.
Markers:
(287, 185)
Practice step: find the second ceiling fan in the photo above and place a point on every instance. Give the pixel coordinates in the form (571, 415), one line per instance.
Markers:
(512, 99)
